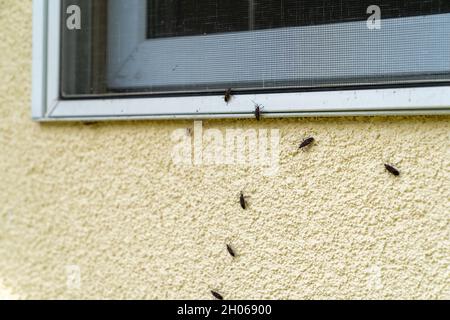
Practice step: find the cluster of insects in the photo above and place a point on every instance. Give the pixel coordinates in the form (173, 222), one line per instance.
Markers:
(229, 248)
(305, 144)
(258, 108)
(215, 294)
(309, 141)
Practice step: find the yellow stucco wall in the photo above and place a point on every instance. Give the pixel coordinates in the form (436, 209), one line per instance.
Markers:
(108, 199)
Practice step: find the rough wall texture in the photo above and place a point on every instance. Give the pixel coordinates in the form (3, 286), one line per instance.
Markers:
(108, 200)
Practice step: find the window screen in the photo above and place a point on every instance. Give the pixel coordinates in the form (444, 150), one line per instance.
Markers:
(197, 46)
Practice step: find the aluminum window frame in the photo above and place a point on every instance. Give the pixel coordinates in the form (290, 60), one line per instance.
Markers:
(47, 104)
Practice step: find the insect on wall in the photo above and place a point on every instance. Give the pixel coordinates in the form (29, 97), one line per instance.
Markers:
(391, 169)
(306, 143)
(231, 251)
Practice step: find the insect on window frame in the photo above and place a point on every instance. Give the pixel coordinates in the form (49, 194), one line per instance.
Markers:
(228, 95)
(258, 110)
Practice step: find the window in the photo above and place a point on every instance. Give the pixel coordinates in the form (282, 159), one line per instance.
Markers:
(176, 58)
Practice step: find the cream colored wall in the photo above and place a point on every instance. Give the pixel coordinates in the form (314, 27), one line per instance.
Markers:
(107, 198)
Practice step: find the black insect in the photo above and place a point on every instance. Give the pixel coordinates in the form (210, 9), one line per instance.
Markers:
(228, 95)
(306, 143)
(392, 170)
(216, 295)
(231, 251)
(258, 112)
(242, 201)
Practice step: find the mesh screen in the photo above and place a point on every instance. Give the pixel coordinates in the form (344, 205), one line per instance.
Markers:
(186, 46)
(172, 18)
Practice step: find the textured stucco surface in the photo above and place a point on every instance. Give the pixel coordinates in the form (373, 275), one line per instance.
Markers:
(108, 198)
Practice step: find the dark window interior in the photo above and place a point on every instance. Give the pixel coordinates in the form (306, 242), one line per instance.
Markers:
(174, 18)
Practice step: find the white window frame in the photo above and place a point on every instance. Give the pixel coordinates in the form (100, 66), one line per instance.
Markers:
(48, 106)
